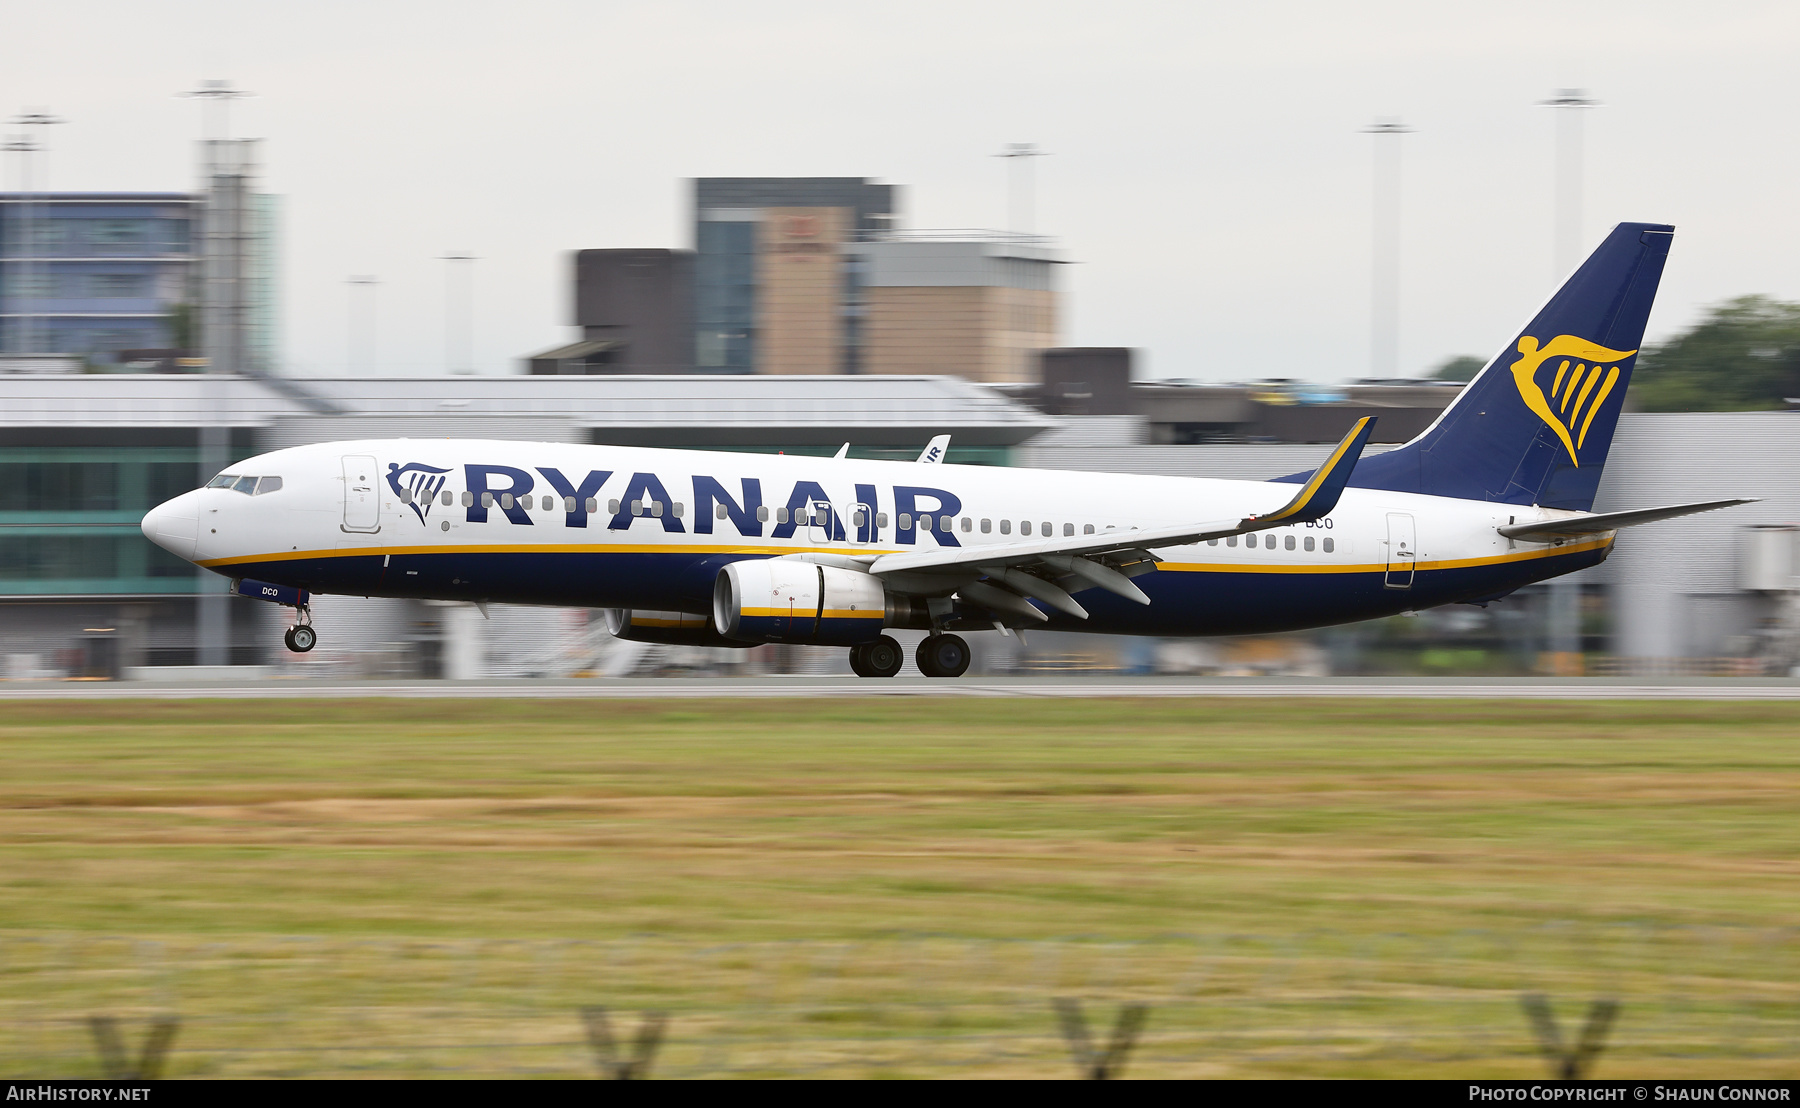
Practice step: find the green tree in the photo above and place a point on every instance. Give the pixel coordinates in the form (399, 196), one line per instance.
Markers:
(1744, 356)
(1463, 367)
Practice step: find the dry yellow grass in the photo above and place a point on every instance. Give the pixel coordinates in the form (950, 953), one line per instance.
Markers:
(1645, 850)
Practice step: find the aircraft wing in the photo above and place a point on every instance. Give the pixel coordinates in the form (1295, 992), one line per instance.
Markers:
(1544, 530)
(1040, 568)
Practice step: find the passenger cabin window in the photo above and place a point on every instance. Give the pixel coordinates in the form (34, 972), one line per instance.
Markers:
(1006, 527)
(1308, 543)
(1024, 527)
(1046, 530)
(967, 525)
(612, 506)
(987, 526)
(1212, 542)
(781, 515)
(678, 509)
(1328, 546)
(905, 521)
(593, 505)
(1087, 529)
(273, 484)
(468, 499)
(506, 500)
(880, 519)
(1288, 542)
(449, 498)
(719, 511)
(1068, 528)
(762, 513)
(1269, 542)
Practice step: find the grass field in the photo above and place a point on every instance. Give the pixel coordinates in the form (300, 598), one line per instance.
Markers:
(1364, 886)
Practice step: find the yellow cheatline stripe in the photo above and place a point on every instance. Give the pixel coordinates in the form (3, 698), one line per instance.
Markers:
(1611, 379)
(547, 548)
(1381, 567)
(1173, 567)
(1320, 474)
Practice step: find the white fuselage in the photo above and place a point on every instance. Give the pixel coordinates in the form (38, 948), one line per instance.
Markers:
(627, 527)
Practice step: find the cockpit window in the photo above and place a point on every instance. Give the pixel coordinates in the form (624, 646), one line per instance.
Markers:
(268, 485)
(222, 481)
(245, 485)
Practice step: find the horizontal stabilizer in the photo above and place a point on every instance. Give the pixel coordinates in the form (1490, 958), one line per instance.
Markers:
(1544, 530)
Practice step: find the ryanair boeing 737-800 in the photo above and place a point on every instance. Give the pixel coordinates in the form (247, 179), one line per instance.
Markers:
(735, 550)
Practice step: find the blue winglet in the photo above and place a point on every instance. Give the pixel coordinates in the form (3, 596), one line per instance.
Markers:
(1319, 495)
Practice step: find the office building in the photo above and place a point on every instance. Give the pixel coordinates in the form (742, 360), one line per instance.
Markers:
(144, 281)
(776, 290)
(98, 275)
(979, 304)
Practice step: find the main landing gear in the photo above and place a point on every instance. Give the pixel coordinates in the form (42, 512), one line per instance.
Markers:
(301, 637)
(881, 658)
(938, 656)
(943, 656)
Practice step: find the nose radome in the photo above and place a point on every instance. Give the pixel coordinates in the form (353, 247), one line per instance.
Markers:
(173, 524)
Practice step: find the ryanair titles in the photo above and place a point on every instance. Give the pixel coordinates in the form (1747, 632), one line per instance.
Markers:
(628, 499)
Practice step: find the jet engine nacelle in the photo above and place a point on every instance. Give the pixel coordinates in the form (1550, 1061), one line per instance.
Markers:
(669, 628)
(785, 600)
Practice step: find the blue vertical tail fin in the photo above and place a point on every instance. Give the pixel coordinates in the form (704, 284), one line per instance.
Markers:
(1535, 425)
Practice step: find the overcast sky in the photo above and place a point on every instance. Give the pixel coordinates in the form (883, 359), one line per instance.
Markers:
(1207, 171)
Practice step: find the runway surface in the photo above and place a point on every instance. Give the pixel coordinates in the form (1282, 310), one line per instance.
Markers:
(1525, 688)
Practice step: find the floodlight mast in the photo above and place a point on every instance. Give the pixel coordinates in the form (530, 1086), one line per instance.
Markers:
(1563, 625)
(459, 311)
(28, 147)
(1570, 103)
(1384, 253)
(1021, 191)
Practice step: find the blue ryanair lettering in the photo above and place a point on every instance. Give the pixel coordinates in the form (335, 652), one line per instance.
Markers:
(906, 503)
(804, 496)
(868, 531)
(590, 487)
(708, 493)
(522, 483)
(646, 486)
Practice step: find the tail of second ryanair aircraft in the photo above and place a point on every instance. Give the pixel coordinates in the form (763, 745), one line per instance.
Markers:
(1535, 425)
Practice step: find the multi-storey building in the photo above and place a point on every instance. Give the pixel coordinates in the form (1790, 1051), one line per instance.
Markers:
(119, 280)
(97, 274)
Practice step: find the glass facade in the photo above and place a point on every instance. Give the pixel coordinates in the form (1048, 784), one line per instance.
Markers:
(95, 275)
(725, 296)
(727, 213)
(69, 518)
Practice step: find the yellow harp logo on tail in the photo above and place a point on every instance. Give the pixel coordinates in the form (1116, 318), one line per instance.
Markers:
(1581, 384)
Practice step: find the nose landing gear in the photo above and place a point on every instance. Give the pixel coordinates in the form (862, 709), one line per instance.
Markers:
(301, 637)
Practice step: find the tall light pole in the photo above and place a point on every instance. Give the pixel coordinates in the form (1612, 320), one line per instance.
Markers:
(1563, 627)
(1384, 252)
(215, 99)
(362, 320)
(1020, 192)
(1569, 103)
(459, 311)
(28, 147)
(15, 277)
(221, 266)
